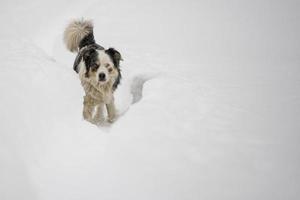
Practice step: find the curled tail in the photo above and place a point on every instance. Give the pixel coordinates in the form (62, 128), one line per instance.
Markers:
(78, 34)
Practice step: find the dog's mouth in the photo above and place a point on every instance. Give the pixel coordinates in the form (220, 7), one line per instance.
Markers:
(101, 82)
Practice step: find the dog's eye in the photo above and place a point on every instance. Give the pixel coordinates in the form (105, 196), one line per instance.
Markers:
(110, 69)
(107, 65)
(94, 68)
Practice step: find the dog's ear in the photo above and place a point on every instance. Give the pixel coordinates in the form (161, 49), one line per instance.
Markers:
(115, 56)
(76, 63)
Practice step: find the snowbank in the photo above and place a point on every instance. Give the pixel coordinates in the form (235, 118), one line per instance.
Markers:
(209, 103)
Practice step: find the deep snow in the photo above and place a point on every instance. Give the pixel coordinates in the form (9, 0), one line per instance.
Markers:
(209, 103)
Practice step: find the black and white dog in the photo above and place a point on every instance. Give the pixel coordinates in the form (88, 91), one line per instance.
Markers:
(98, 69)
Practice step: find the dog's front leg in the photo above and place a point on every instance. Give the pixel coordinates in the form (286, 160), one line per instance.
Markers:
(88, 108)
(99, 115)
(111, 111)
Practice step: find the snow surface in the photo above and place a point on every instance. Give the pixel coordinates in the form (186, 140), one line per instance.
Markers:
(209, 104)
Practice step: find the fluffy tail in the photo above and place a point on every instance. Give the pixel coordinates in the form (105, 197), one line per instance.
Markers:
(78, 34)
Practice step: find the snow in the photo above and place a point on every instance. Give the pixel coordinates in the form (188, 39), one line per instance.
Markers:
(209, 103)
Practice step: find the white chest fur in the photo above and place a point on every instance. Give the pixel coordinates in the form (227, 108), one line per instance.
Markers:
(100, 93)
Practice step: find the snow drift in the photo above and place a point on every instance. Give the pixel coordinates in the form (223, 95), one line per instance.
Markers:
(209, 102)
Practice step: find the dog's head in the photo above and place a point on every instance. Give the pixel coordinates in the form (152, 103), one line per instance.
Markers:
(100, 67)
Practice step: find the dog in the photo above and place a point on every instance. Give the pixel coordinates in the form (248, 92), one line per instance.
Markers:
(98, 69)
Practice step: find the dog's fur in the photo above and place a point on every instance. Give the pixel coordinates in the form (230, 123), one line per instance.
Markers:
(98, 69)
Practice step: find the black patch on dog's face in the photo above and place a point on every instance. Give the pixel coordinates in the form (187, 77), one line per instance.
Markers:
(116, 57)
(90, 58)
(82, 52)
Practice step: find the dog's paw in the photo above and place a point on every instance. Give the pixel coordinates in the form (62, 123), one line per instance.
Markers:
(113, 116)
(111, 119)
(98, 121)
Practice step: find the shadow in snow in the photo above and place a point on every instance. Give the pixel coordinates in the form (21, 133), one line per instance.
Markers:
(136, 88)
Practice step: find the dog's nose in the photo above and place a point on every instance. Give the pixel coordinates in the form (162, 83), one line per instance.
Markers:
(101, 77)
